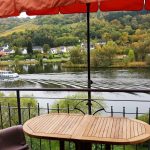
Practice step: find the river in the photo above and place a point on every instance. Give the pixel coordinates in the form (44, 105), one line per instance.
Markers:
(54, 76)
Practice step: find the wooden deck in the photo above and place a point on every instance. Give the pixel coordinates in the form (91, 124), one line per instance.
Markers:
(111, 130)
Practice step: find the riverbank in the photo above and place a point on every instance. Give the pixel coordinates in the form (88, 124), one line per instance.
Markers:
(119, 65)
(22, 62)
(67, 64)
(32, 61)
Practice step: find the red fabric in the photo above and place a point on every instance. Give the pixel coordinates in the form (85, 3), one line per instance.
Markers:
(121, 5)
(64, 8)
(7, 8)
(147, 4)
(43, 7)
(78, 8)
(51, 11)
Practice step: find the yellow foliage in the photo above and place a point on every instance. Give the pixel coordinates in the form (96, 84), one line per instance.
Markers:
(21, 28)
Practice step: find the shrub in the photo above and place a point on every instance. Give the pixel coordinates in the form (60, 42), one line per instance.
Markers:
(78, 101)
(148, 59)
(19, 57)
(11, 101)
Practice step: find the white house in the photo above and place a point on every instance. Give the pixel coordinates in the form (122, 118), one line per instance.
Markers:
(54, 50)
(5, 47)
(8, 51)
(63, 49)
(24, 51)
(38, 48)
(84, 45)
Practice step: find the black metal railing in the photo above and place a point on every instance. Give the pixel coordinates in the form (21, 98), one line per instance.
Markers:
(18, 114)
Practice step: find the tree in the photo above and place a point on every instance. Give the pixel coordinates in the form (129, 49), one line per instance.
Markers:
(103, 56)
(131, 56)
(17, 50)
(29, 48)
(46, 48)
(77, 55)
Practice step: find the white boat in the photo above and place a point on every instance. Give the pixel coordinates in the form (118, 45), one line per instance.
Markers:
(8, 75)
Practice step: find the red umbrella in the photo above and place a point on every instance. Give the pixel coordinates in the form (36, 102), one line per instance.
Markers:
(45, 7)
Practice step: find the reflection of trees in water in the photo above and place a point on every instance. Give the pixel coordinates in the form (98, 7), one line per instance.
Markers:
(39, 68)
(140, 72)
(44, 68)
(9, 84)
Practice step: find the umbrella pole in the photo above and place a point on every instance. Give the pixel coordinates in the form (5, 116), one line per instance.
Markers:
(88, 58)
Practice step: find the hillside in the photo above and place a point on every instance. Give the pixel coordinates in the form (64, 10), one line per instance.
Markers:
(58, 30)
(10, 23)
(20, 28)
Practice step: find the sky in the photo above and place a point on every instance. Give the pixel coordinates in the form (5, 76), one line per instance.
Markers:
(24, 15)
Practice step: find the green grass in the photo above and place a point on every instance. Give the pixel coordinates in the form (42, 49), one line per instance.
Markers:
(20, 62)
(55, 60)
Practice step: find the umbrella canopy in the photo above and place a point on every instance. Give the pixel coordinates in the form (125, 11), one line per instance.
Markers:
(10, 8)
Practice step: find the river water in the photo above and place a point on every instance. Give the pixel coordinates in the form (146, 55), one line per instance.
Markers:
(54, 76)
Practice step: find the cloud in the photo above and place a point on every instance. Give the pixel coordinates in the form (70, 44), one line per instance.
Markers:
(24, 15)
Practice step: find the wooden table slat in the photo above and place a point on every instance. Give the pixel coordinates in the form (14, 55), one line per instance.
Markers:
(109, 132)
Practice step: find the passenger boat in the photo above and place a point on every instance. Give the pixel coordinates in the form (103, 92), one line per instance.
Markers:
(8, 75)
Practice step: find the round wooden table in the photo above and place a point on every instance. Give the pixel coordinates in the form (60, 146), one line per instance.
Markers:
(88, 129)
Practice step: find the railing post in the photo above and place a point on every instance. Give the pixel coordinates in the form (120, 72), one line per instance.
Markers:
(18, 106)
(1, 117)
(58, 108)
(124, 113)
(149, 117)
(137, 112)
(111, 111)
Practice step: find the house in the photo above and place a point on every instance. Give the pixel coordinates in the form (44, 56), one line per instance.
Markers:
(1, 49)
(63, 49)
(5, 47)
(69, 48)
(84, 45)
(24, 51)
(102, 42)
(38, 48)
(8, 51)
(34, 48)
(54, 50)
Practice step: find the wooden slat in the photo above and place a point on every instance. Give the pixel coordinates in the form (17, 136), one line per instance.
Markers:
(120, 134)
(102, 128)
(113, 129)
(128, 129)
(84, 126)
(110, 128)
(99, 128)
(95, 129)
(117, 127)
(124, 128)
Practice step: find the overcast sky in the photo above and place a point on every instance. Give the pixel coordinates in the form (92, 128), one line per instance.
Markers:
(23, 15)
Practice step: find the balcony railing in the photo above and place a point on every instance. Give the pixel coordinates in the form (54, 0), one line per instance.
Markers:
(17, 114)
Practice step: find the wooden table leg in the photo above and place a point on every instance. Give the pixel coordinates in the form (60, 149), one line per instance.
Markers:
(62, 145)
(83, 145)
(107, 147)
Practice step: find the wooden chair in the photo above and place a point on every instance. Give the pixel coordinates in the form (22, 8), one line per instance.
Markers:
(13, 139)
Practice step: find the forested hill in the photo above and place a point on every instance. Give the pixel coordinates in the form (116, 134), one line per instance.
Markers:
(10, 23)
(61, 30)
